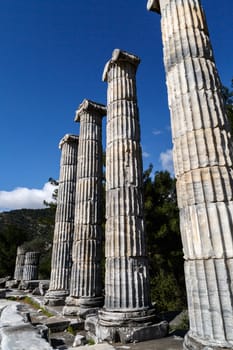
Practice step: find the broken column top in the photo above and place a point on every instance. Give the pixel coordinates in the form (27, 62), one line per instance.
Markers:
(90, 106)
(153, 5)
(68, 138)
(120, 56)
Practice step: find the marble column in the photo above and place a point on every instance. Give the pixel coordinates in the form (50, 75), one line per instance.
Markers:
(64, 223)
(203, 166)
(86, 285)
(19, 264)
(31, 266)
(127, 294)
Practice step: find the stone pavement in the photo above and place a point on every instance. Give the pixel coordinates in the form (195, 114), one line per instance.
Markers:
(168, 343)
(60, 339)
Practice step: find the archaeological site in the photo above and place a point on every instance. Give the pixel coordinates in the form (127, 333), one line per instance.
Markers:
(99, 286)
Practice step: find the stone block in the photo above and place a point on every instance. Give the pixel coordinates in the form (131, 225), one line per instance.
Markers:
(57, 324)
(79, 340)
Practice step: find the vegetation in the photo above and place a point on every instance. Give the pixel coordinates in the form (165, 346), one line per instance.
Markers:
(228, 100)
(28, 227)
(29, 301)
(164, 243)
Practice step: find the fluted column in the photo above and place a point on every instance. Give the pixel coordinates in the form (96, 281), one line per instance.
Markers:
(127, 293)
(31, 266)
(19, 264)
(64, 222)
(203, 166)
(86, 285)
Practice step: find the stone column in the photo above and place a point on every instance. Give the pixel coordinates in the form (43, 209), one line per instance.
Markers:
(86, 286)
(31, 264)
(127, 295)
(64, 223)
(203, 167)
(19, 264)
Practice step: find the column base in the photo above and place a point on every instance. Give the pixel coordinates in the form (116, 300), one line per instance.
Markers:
(126, 327)
(82, 306)
(55, 297)
(194, 343)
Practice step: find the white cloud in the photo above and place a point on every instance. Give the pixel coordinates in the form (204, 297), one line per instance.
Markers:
(156, 132)
(145, 154)
(22, 197)
(167, 160)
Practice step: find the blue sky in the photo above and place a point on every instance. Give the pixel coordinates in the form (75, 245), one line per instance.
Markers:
(53, 54)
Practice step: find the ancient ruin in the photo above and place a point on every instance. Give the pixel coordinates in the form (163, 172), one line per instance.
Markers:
(203, 167)
(31, 265)
(86, 286)
(64, 223)
(19, 264)
(127, 313)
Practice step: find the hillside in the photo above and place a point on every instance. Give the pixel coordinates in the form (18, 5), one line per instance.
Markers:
(31, 227)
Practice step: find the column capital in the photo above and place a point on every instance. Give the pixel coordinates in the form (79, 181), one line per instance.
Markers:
(90, 106)
(68, 138)
(153, 5)
(120, 56)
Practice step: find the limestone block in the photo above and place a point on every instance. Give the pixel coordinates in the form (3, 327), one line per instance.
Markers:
(63, 231)
(123, 164)
(209, 299)
(125, 237)
(206, 230)
(124, 291)
(213, 184)
(86, 231)
(126, 126)
(202, 148)
(87, 249)
(190, 112)
(124, 201)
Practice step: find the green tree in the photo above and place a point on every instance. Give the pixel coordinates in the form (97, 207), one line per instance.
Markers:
(10, 238)
(228, 101)
(164, 242)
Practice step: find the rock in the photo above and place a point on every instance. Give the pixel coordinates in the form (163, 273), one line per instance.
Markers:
(3, 281)
(79, 340)
(43, 286)
(16, 333)
(57, 324)
(36, 291)
(12, 284)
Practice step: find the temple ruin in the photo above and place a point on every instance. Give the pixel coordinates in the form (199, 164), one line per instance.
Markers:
(203, 167)
(127, 313)
(64, 223)
(86, 286)
(31, 266)
(19, 264)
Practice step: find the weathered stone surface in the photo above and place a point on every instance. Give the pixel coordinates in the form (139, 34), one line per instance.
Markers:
(30, 269)
(19, 264)
(86, 286)
(29, 285)
(127, 306)
(203, 166)
(57, 324)
(64, 223)
(16, 333)
(79, 340)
